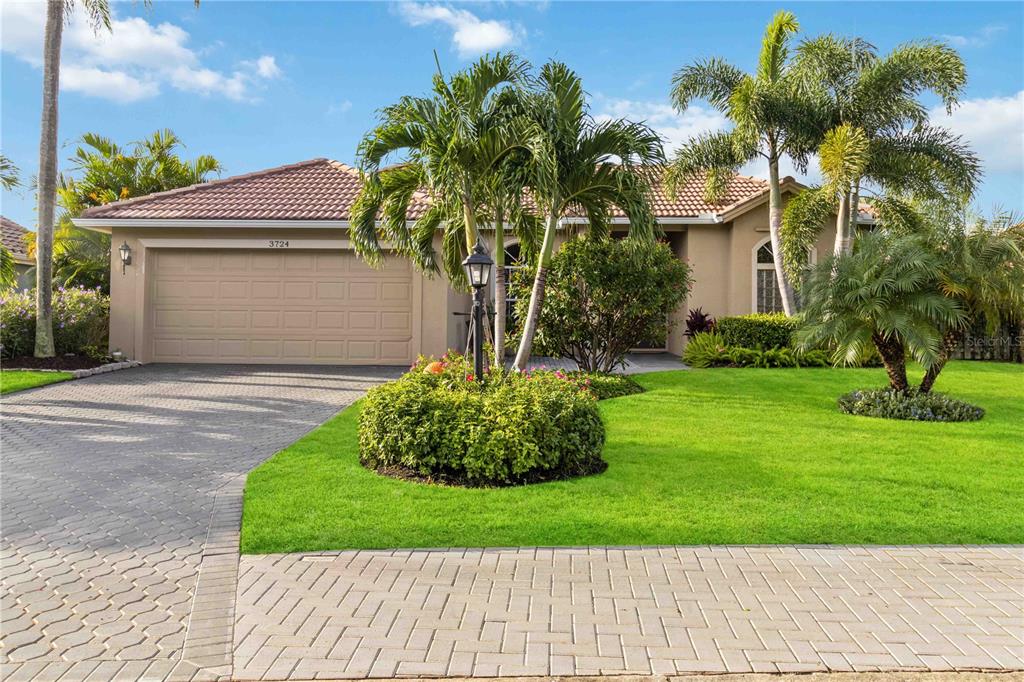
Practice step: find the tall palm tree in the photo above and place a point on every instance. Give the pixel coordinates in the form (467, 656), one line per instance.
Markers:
(772, 117)
(886, 294)
(98, 15)
(458, 152)
(104, 172)
(582, 164)
(880, 132)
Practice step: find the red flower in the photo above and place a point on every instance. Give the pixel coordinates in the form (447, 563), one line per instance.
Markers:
(469, 377)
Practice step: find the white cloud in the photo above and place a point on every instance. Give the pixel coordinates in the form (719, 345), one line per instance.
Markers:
(674, 128)
(132, 61)
(980, 38)
(336, 108)
(114, 85)
(993, 126)
(471, 34)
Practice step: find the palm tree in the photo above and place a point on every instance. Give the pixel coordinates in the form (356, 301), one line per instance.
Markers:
(879, 133)
(98, 14)
(107, 172)
(459, 150)
(771, 118)
(886, 294)
(580, 164)
(982, 268)
(8, 180)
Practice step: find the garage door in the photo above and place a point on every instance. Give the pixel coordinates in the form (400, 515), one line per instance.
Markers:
(320, 307)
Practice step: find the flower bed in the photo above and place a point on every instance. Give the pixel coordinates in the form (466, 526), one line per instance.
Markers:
(81, 320)
(440, 423)
(912, 405)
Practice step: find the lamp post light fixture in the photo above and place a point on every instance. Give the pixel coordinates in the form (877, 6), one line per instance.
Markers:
(126, 256)
(478, 270)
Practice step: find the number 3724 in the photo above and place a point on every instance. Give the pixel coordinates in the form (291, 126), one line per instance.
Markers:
(278, 243)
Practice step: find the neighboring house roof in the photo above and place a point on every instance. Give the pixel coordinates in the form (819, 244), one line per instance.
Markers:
(324, 190)
(12, 235)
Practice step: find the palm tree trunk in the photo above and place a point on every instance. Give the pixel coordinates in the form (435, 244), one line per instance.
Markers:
(949, 343)
(774, 228)
(537, 295)
(48, 178)
(843, 241)
(854, 213)
(499, 287)
(469, 213)
(895, 360)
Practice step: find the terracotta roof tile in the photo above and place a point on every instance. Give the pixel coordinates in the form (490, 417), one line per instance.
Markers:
(322, 189)
(318, 189)
(12, 235)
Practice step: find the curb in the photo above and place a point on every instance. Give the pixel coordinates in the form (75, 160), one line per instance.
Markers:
(82, 373)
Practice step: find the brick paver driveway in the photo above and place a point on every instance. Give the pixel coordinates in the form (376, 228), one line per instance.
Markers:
(109, 485)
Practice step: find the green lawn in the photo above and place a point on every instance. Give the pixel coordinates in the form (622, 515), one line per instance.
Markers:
(704, 457)
(20, 379)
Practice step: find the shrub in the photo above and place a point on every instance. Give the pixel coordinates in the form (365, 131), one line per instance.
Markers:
(759, 330)
(698, 322)
(606, 386)
(441, 423)
(913, 405)
(605, 297)
(81, 322)
(706, 350)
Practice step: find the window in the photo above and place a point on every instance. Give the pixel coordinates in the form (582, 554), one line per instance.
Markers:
(767, 298)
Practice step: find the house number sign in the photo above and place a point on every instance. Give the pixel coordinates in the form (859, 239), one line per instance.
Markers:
(278, 243)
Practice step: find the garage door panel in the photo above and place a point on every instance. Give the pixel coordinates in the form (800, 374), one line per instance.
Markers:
(267, 306)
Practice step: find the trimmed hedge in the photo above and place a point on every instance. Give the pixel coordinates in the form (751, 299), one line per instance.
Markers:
(913, 405)
(81, 322)
(607, 386)
(440, 423)
(759, 330)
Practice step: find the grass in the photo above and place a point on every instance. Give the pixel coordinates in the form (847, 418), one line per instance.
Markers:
(20, 379)
(703, 457)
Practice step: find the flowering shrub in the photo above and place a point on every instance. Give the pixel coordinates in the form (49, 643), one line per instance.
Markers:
(441, 423)
(912, 405)
(81, 322)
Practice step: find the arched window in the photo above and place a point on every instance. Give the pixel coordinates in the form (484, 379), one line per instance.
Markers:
(767, 298)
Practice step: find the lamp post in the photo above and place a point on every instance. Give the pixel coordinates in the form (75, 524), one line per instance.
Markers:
(478, 270)
(125, 252)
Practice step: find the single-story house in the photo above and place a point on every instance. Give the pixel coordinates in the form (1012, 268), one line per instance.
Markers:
(258, 268)
(12, 236)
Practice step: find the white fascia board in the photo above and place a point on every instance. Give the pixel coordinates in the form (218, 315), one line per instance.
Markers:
(105, 224)
(701, 220)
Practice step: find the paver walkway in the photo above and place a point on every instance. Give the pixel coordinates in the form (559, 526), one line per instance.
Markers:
(658, 611)
(109, 490)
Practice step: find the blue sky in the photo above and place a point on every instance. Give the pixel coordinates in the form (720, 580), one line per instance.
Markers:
(260, 84)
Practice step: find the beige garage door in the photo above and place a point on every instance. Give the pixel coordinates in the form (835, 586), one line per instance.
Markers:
(321, 307)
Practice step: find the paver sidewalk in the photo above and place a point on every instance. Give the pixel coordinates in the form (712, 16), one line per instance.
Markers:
(114, 495)
(661, 611)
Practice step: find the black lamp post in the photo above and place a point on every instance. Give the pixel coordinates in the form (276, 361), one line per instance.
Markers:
(478, 270)
(125, 252)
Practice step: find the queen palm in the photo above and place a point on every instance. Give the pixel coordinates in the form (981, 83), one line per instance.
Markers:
(886, 294)
(578, 163)
(453, 149)
(771, 118)
(98, 15)
(879, 133)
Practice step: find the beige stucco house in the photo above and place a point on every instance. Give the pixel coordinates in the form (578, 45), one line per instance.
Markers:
(12, 235)
(258, 268)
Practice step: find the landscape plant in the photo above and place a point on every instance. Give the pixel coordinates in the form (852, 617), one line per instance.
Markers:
(81, 322)
(581, 164)
(605, 297)
(440, 423)
(758, 330)
(698, 322)
(914, 405)
(771, 117)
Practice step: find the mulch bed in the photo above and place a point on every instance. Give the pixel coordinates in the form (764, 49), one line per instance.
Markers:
(59, 362)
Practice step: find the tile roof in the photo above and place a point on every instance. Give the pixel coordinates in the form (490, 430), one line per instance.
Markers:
(322, 189)
(318, 189)
(12, 235)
